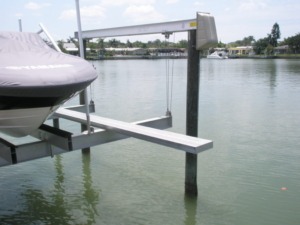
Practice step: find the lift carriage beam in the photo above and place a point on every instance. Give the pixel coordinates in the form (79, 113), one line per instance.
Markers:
(204, 24)
(155, 28)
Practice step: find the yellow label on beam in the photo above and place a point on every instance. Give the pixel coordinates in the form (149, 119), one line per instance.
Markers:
(193, 24)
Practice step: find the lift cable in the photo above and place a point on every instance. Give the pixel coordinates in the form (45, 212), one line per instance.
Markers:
(169, 76)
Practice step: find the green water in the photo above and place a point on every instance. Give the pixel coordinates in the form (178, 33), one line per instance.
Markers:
(249, 108)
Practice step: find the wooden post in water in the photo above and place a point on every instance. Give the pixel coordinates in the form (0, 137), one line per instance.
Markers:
(191, 188)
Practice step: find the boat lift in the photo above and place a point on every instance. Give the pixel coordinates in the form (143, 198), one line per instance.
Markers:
(53, 140)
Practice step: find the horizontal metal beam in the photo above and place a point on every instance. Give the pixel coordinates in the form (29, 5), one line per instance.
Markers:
(154, 28)
(178, 141)
(68, 141)
(26, 152)
(204, 24)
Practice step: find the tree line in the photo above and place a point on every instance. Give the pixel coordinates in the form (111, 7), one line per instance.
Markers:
(267, 44)
(114, 43)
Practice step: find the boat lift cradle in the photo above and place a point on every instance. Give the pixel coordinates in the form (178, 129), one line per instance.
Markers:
(53, 140)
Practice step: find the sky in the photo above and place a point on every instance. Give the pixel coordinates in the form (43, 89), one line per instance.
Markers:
(235, 19)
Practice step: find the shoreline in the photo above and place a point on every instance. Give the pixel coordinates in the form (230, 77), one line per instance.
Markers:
(185, 57)
(266, 57)
(136, 57)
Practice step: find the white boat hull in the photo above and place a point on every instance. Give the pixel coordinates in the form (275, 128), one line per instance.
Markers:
(34, 80)
(218, 55)
(21, 122)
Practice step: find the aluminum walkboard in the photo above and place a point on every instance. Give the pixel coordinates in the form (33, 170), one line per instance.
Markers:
(179, 141)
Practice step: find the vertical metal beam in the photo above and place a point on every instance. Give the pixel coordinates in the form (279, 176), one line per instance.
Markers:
(81, 48)
(191, 188)
(82, 94)
(82, 52)
(56, 122)
(20, 25)
(83, 101)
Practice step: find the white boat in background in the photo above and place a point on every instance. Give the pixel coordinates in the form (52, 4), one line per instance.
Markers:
(218, 55)
(35, 80)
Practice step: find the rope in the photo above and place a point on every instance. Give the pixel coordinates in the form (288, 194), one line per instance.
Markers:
(167, 84)
(169, 79)
(172, 78)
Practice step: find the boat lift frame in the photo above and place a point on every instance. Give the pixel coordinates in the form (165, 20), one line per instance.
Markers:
(53, 140)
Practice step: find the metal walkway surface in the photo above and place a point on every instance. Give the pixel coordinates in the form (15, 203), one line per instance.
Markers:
(174, 140)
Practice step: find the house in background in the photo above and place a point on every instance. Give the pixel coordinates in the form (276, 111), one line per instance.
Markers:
(284, 49)
(241, 50)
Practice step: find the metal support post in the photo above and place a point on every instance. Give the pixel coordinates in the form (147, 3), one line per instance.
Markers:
(83, 101)
(83, 95)
(192, 113)
(20, 25)
(56, 123)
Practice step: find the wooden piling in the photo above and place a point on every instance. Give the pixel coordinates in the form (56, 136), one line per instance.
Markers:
(191, 188)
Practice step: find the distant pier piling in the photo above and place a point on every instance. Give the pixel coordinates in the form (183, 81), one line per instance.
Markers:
(191, 188)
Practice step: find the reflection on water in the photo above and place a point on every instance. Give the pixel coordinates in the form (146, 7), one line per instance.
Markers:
(190, 204)
(53, 206)
(273, 72)
(90, 195)
(39, 208)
